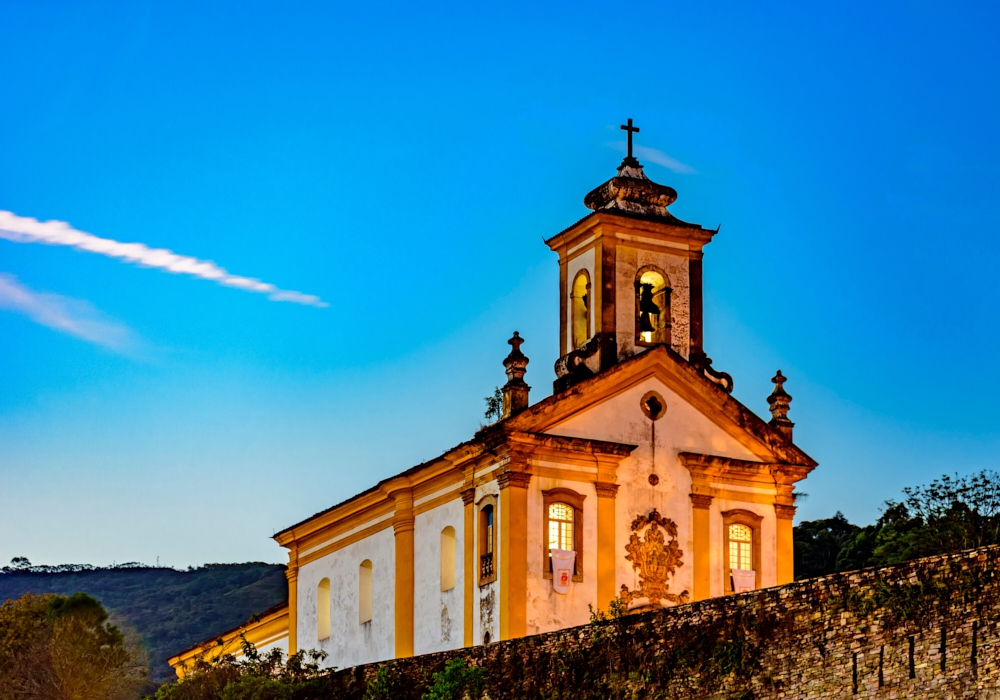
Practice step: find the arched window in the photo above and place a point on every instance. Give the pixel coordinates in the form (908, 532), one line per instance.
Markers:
(562, 510)
(365, 591)
(487, 540)
(580, 308)
(448, 558)
(741, 530)
(652, 307)
(323, 609)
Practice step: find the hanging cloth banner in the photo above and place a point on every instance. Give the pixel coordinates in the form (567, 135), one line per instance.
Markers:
(562, 569)
(744, 580)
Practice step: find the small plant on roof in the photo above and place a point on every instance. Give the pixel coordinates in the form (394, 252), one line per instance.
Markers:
(494, 405)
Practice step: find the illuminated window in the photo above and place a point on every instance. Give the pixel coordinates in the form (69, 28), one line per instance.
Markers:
(562, 511)
(652, 307)
(741, 533)
(740, 547)
(580, 308)
(448, 558)
(323, 609)
(365, 591)
(561, 527)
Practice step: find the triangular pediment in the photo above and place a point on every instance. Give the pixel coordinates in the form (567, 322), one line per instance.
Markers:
(683, 379)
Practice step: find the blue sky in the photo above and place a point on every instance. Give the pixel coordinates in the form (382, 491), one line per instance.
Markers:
(402, 163)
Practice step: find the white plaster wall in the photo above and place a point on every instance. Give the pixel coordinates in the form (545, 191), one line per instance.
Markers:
(584, 261)
(351, 643)
(486, 599)
(437, 614)
(628, 263)
(548, 610)
(682, 429)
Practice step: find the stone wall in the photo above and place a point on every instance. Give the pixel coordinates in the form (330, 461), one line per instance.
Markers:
(926, 629)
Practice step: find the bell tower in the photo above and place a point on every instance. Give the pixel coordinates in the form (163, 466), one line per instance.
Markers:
(630, 277)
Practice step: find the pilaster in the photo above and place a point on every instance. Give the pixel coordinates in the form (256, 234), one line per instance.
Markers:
(701, 505)
(608, 257)
(785, 515)
(403, 525)
(606, 579)
(292, 574)
(470, 575)
(513, 572)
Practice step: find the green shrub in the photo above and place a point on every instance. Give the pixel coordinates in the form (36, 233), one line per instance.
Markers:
(457, 681)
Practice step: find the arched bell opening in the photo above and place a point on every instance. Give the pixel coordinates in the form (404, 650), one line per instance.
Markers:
(652, 307)
(580, 308)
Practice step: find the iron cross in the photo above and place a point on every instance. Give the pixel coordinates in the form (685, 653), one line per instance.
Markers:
(631, 130)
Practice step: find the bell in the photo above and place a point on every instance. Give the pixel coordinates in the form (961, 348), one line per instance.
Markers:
(644, 325)
(646, 303)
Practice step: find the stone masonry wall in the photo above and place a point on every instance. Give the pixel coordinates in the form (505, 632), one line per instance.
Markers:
(925, 629)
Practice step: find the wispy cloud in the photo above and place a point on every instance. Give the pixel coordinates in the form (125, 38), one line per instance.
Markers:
(22, 229)
(654, 155)
(71, 316)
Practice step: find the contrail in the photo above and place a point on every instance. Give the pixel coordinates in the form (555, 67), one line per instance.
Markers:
(70, 316)
(23, 229)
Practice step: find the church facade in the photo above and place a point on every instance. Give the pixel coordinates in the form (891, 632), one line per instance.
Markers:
(640, 479)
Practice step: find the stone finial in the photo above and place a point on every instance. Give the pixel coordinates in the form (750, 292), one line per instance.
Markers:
(779, 401)
(515, 391)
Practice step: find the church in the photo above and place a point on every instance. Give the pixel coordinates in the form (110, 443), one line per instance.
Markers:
(640, 482)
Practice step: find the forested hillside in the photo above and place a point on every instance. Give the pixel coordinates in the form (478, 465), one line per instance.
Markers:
(171, 609)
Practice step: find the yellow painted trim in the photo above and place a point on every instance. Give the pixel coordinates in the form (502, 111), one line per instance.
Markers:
(743, 496)
(438, 501)
(293, 597)
(785, 550)
(606, 579)
(702, 555)
(513, 572)
(267, 629)
(429, 477)
(340, 544)
(403, 526)
(564, 474)
(470, 563)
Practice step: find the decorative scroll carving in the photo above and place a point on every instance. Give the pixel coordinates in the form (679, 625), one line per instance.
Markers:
(721, 379)
(575, 365)
(654, 558)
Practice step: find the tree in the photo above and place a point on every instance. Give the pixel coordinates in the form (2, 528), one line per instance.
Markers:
(949, 515)
(818, 544)
(56, 647)
(255, 676)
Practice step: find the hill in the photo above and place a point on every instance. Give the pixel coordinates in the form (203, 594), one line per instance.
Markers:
(170, 609)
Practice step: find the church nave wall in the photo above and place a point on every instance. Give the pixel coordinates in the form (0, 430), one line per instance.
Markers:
(351, 642)
(438, 615)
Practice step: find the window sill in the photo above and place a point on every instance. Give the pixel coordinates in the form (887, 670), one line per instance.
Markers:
(547, 576)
